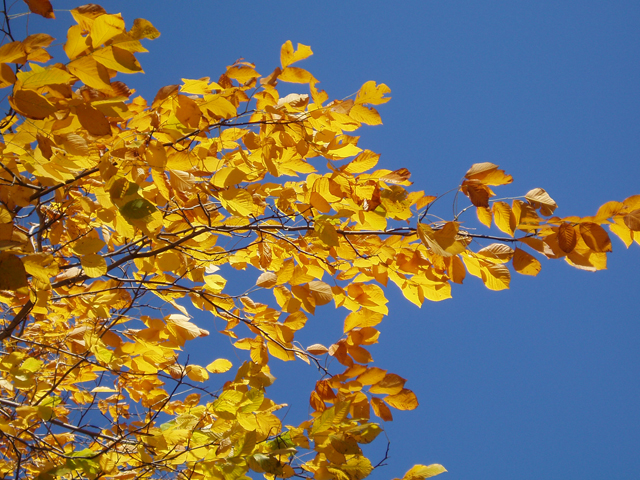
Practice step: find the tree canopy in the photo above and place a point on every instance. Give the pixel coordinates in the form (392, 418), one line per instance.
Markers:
(121, 220)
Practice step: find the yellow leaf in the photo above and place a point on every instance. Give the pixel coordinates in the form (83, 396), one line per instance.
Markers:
(442, 242)
(405, 400)
(317, 349)
(366, 160)
(103, 390)
(495, 276)
(94, 265)
(197, 373)
(117, 59)
(237, 201)
(288, 56)
(372, 94)
(327, 233)
(220, 365)
(321, 292)
(104, 28)
(391, 384)
(91, 73)
(366, 115)
(218, 107)
(525, 263)
(503, 217)
(420, 472)
(496, 253)
(623, 232)
(484, 215)
(88, 245)
(39, 77)
(362, 318)
(488, 174)
(215, 283)
(296, 75)
(538, 198)
(41, 265)
(595, 237)
(267, 280)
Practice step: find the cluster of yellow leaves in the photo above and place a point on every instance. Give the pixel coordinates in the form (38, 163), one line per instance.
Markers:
(113, 208)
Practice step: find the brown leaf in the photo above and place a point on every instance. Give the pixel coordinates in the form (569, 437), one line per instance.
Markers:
(596, 237)
(567, 237)
(632, 220)
(41, 7)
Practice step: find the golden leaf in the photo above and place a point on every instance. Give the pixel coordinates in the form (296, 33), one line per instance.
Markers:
(366, 115)
(117, 59)
(197, 373)
(381, 410)
(94, 265)
(538, 198)
(104, 28)
(488, 174)
(267, 280)
(404, 400)
(391, 384)
(31, 104)
(525, 263)
(595, 237)
(362, 318)
(504, 218)
(296, 75)
(288, 56)
(220, 365)
(317, 349)
(484, 215)
(372, 94)
(420, 472)
(495, 276)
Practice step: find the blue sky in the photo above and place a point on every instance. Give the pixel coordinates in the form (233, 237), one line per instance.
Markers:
(543, 380)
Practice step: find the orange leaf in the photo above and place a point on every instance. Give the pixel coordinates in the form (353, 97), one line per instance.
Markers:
(381, 410)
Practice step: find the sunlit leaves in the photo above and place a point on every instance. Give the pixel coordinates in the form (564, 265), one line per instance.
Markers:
(420, 472)
(289, 56)
(220, 365)
(121, 221)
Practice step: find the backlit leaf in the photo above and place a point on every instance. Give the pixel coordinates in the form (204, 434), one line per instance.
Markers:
(94, 265)
(404, 400)
(420, 472)
(220, 365)
(289, 56)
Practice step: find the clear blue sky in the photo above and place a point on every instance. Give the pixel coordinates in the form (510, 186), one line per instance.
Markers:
(543, 380)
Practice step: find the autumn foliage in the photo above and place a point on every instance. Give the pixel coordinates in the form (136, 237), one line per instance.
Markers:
(121, 217)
